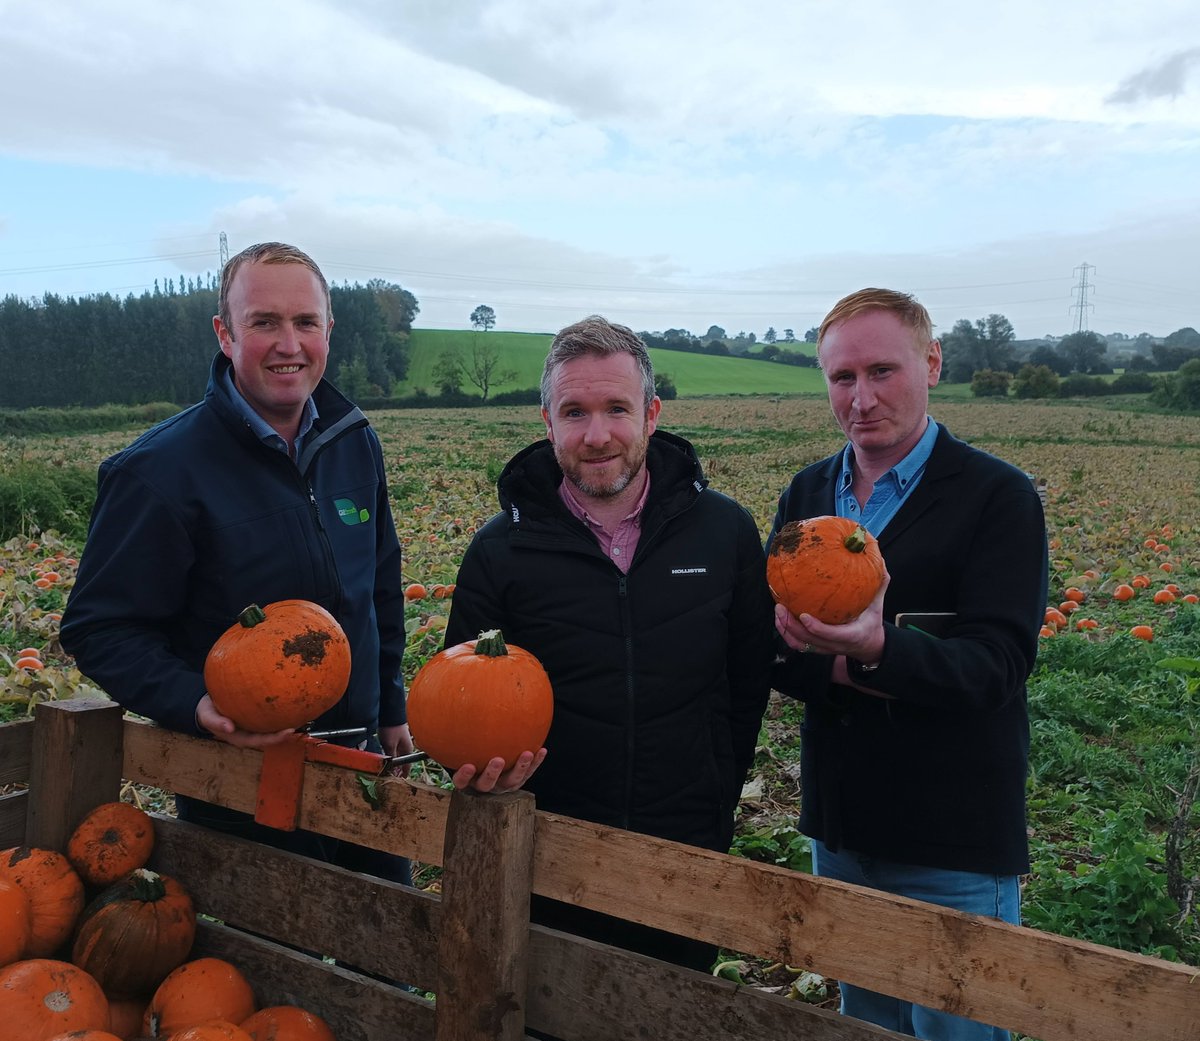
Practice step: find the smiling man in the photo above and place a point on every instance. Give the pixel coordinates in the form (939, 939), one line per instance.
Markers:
(643, 593)
(271, 488)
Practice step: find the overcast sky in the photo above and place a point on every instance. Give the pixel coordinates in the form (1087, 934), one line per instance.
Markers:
(666, 163)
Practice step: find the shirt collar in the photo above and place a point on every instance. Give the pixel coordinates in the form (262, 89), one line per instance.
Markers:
(261, 428)
(904, 472)
(577, 508)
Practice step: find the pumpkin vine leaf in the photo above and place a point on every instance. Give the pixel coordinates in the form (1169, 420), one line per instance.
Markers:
(370, 789)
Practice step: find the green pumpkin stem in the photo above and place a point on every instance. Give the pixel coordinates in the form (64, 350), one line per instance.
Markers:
(856, 541)
(147, 885)
(252, 616)
(491, 644)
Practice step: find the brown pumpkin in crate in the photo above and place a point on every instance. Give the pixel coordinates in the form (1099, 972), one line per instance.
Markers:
(480, 700)
(126, 1016)
(197, 992)
(135, 932)
(287, 1023)
(55, 894)
(41, 997)
(828, 567)
(279, 666)
(16, 922)
(112, 840)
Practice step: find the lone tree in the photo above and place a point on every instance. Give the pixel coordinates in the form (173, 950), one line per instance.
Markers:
(483, 317)
(481, 369)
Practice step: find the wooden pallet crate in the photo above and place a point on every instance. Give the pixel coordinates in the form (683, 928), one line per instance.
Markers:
(294, 925)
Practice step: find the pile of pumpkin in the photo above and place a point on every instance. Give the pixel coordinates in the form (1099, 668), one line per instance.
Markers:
(128, 975)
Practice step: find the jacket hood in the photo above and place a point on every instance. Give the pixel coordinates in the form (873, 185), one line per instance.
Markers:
(532, 476)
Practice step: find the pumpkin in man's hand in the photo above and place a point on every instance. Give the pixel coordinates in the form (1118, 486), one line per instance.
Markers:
(828, 567)
(279, 666)
(480, 700)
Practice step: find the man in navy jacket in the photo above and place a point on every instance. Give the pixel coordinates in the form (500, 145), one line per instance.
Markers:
(915, 741)
(271, 488)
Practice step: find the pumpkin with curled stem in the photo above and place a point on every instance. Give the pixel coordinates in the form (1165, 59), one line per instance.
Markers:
(278, 667)
(480, 700)
(135, 932)
(828, 567)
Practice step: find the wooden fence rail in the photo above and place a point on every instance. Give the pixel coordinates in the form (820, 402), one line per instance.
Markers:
(493, 973)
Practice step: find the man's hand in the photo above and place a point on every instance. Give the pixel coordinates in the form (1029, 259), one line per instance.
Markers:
(860, 638)
(225, 729)
(397, 740)
(495, 778)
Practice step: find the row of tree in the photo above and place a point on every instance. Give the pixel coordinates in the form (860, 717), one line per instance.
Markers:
(65, 351)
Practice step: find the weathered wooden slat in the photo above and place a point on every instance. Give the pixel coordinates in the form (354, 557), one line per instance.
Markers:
(355, 1007)
(407, 819)
(74, 766)
(1044, 985)
(16, 746)
(483, 955)
(12, 819)
(586, 991)
(379, 926)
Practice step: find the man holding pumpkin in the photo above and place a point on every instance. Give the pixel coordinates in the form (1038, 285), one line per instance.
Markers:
(915, 739)
(642, 592)
(272, 488)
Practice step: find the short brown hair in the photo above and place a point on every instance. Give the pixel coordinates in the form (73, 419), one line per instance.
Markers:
(266, 253)
(596, 335)
(904, 306)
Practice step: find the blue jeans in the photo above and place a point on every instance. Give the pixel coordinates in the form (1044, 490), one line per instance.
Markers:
(996, 896)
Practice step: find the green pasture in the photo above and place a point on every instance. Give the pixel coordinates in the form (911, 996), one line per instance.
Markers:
(694, 375)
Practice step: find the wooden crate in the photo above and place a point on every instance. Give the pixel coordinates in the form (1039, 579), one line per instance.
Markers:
(494, 973)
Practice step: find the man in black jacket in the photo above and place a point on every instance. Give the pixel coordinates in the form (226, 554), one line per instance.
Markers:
(915, 739)
(643, 593)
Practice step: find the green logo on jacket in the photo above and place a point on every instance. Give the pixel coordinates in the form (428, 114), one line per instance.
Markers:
(351, 514)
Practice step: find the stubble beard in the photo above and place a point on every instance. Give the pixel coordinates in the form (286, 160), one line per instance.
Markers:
(634, 461)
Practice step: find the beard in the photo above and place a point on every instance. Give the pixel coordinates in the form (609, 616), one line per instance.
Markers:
(632, 460)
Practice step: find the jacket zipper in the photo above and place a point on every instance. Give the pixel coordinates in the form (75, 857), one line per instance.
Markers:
(630, 698)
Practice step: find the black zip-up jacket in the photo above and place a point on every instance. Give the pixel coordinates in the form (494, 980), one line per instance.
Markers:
(660, 675)
(198, 518)
(936, 775)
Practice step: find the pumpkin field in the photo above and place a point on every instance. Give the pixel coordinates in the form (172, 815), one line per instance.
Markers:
(1114, 702)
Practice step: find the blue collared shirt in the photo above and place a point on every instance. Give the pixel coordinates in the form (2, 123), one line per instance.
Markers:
(263, 430)
(890, 490)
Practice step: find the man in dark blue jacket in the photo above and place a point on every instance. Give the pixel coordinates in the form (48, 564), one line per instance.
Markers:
(915, 739)
(271, 488)
(643, 593)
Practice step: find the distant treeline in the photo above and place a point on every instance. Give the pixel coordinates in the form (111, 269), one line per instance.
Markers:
(682, 340)
(61, 352)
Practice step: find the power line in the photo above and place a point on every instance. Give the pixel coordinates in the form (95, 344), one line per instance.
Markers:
(1083, 287)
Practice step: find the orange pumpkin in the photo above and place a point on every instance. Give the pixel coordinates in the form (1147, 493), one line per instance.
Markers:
(1142, 632)
(55, 894)
(287, 1023)
(41, 997)
(828, 567)
(214, 1030)
(135, 932)
(112, 840)
(478, 700)
(198, 992)
(85, 1035)
(16, 922)
(278, 666)
(1124, 592)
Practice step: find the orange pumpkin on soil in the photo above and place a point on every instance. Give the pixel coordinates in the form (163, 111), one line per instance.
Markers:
(41, 997)
(16, 922)
(478, 700)
(55, 894)
(198, 992)
(135, 932)
(287, 1023)
(278, 666)
(112, 840)
(828, 567)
